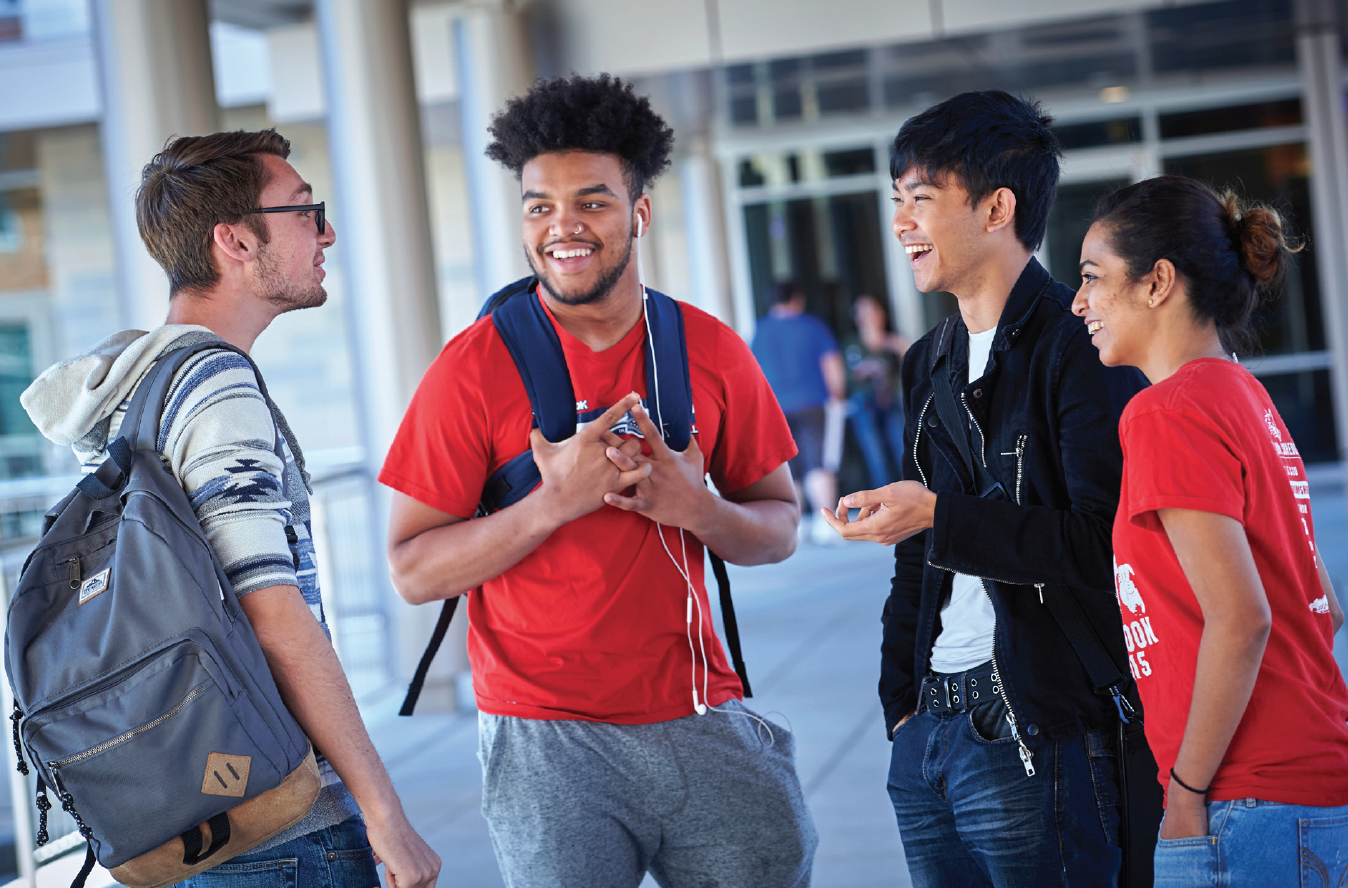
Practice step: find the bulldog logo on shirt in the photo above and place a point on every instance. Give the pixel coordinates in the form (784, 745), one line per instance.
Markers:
(1126, 590)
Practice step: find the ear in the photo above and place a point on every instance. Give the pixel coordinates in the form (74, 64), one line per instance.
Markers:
(641, 210)
(1001, 209)
(1164, 282)
(235, 241)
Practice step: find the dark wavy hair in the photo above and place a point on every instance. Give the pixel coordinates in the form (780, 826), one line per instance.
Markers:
(195, 183)
(596, 114)
(1232, 255)
(989, 140)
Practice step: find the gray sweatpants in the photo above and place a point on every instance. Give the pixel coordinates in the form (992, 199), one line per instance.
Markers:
(698, 801)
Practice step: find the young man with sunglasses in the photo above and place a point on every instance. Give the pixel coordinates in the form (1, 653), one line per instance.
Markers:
(236, 230)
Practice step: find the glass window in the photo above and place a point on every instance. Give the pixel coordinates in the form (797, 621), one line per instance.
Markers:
(1306, 405)
(856, 162)
(1068, 222)
(839, 96)
(1232, 34)
(20, 442)
(786, 103)
(1119, 131)
(1230, 119)
(1279, 176)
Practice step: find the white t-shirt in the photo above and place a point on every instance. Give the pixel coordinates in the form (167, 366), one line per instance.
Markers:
(967, 620)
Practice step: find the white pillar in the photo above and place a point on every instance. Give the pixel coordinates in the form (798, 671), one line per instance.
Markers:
(380, 207)
(381, 213)
(1318, 58)
(705, 234)
(154, 61)
(493, 65)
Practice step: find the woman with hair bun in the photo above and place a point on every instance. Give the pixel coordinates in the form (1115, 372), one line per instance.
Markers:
(1228, 612)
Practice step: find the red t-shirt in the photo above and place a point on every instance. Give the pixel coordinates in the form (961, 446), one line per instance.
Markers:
(1209, 439)
(593, 623)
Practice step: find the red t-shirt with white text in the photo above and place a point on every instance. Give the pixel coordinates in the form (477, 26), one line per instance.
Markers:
(593, 623)
(1209, 439)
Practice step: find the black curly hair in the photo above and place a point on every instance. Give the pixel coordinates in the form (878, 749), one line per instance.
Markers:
(596, 114)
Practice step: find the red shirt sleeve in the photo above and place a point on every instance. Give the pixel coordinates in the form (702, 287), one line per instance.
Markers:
(442, 454)
(753, 438)
(1175, 459)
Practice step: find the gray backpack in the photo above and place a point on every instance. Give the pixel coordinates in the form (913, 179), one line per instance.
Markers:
(141, 695)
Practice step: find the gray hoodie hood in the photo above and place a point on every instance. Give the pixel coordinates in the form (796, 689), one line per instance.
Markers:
(73, 401)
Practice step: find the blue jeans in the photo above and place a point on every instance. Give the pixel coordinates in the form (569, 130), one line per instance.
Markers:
(335, 857)
(880, 436)
(970, 816)
(1253, 843)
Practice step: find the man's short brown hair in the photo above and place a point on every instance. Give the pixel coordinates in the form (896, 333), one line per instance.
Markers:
(195, 183)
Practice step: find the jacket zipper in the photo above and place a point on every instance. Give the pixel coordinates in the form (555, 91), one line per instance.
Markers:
(1019, 454)
(122, 738)
(918, 436)
(1026, 757)
(982, 442)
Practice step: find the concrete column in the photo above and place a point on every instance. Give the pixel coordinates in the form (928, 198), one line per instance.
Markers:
(1322, 78)
(491, 50)
(705, 233)
(154, 59)
(381, 213)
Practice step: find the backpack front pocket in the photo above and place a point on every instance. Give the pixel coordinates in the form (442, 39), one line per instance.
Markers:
(185, 756)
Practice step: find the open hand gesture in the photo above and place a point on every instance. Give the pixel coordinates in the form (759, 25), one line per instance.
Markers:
(890, 514)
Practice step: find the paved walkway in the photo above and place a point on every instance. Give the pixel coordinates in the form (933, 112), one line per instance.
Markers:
(811, 630)
(811, 633)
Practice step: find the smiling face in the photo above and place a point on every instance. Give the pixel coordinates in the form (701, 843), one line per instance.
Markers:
(939, 230)
(1113, 305)
(289, 270)
(579, 225)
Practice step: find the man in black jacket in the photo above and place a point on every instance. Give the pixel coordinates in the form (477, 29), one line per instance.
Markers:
(1004, 770)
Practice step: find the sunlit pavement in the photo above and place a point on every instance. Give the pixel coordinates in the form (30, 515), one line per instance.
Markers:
(811, 634)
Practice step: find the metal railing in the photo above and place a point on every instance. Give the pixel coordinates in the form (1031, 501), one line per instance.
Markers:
(352, 575)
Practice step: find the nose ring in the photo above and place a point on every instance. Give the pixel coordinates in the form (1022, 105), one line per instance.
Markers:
(579, 228)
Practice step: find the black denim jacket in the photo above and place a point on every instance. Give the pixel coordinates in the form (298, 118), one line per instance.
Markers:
(1049, 412)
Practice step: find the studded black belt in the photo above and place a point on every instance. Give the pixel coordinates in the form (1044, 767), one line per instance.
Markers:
(958, 691)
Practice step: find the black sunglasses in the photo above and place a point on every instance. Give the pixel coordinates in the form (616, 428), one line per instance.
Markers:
(320, 214)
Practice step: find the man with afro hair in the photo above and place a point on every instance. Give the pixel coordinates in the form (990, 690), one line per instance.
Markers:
(613, 738)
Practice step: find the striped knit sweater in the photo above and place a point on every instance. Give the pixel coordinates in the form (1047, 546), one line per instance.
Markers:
(217, 436)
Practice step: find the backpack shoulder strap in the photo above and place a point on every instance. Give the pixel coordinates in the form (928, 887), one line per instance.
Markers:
(145, 412)
(669, 388)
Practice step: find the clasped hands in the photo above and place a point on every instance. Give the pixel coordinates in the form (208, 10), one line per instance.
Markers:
(594, 466)
(887, 515)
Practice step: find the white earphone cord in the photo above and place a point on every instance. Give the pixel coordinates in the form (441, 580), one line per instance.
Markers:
(699, 706)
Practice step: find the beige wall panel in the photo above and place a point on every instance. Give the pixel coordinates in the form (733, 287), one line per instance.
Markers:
(768, 28)
(624, 37)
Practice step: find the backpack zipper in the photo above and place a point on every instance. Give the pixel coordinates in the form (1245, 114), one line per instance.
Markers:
(122, 738)
(74, 571)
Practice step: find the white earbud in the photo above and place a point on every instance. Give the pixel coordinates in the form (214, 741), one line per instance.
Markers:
(640, 226)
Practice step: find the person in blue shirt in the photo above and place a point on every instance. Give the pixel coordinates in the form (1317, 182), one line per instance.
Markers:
(800, 359)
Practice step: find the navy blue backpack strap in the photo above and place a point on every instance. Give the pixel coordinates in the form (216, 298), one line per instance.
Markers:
(669, 390)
